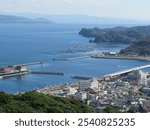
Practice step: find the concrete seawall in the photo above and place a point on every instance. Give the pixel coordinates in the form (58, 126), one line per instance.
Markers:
(120, 57)
(74, 58)
(50, 73)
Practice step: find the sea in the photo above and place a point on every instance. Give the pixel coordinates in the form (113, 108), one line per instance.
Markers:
(25, 43)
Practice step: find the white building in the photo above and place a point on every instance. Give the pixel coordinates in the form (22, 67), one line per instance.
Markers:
(110, 53)
(89, 84)
(23, 69)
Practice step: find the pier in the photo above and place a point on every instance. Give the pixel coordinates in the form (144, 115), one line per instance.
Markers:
(8, 75)
(29, 64)
(16, 70)
(74, 58)
(25, 64)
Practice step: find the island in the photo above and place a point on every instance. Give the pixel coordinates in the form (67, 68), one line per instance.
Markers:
(20, 19)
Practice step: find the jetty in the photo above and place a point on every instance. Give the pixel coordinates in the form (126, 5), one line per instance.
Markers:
(50, 73)
(25, 64)
(16, 70)
(73, 58)
(81, 77)
(29, 64)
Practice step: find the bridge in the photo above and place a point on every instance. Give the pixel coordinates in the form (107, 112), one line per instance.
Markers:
(127, 71)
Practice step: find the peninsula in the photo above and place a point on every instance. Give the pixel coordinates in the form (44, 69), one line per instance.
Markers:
(117, 34)
(138, 39)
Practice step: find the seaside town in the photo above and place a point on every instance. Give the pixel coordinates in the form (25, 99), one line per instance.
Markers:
(128, 90)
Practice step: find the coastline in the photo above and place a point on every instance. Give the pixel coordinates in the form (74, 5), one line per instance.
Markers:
(53, 89)
(123, 57)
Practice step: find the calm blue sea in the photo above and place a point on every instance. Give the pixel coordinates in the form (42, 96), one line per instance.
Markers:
(23, 43)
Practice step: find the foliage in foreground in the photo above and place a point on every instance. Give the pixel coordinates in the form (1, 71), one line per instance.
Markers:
(32, 102)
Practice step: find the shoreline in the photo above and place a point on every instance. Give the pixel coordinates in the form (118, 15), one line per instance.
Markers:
(123, 57)
(52, 89)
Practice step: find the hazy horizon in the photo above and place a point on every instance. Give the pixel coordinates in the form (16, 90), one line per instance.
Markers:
(134, 10)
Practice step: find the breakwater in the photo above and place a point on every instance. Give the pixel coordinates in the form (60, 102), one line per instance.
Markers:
(74, 58)
(81, 77)
(50, 73)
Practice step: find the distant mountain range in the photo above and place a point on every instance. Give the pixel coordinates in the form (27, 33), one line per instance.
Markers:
(84, 19)
(20, 19)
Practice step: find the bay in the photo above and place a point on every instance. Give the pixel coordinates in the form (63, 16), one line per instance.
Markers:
(24, 43)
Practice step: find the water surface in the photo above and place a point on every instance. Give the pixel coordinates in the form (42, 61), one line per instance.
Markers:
(23, 43)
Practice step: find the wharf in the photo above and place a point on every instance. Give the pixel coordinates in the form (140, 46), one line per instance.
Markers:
(119, 56)
(7, 75)
(15, 70)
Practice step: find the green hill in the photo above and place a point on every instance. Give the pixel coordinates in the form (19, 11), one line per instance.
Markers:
(34, 102)
(141, 48)
(117, 34)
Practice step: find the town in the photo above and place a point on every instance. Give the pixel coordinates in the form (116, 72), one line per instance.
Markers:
(128, 90)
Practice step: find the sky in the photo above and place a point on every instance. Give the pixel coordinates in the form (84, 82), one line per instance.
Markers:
(132, 9)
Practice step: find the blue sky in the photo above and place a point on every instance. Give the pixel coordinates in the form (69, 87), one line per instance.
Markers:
(133, 9)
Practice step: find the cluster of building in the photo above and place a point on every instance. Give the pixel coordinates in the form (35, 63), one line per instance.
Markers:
(12, 70)
(129, 92)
